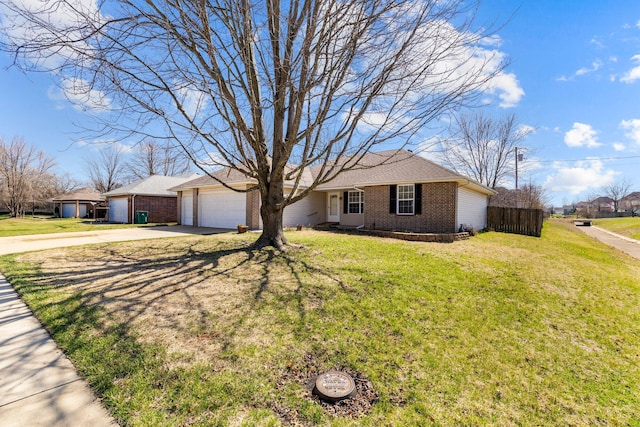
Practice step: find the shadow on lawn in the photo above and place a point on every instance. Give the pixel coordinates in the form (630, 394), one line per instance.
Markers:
(90, 306)
(137, 285)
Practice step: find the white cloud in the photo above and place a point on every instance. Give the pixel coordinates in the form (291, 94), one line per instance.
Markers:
(583, 176)
(493, 40)
(581, 135)
(508, 89)
(463, 63)
(633, 74)
(81, 95)
(632, 128)
(192, 99)
(56, 18)
(619, 146)
(106, 144)
(595, 66)
(526, 130)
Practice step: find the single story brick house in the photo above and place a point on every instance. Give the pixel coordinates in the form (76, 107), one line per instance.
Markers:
(151, 195)
(79, 203)
(407, 193)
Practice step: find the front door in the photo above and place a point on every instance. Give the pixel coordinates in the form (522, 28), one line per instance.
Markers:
(333, 207)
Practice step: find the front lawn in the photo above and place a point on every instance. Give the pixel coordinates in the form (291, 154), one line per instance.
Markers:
(499, 329)
(628, 226)
(41, 225)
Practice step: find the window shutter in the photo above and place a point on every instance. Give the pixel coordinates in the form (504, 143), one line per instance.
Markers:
(392, 198)
(418, 199)
(345, 202)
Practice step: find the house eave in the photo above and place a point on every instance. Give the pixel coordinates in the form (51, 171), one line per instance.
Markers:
(463, 182)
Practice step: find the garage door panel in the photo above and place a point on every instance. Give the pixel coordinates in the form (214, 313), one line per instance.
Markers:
(221, 209)
(118, 210)
(187, 210)
(68, 210)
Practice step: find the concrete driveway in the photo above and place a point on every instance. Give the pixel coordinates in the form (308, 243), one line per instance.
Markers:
(16, 244)
(39, 386)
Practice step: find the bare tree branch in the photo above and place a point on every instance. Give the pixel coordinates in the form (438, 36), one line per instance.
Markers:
(106, 169)
(25, 176)
(484, 148)
(265, 88)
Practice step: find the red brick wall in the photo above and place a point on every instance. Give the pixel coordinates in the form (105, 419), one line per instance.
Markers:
(161, 209)
(438, 210)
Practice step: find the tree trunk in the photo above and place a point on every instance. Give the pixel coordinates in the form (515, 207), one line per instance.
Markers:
(271, 211)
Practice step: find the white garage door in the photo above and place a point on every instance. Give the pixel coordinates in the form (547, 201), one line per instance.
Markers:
(68, 210)
(118, 210)
(186, 217)
(221, 208)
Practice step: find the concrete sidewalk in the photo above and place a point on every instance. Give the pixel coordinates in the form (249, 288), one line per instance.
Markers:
(622, 243)
(38, 384)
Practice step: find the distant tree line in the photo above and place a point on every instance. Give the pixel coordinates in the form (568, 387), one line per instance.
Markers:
(28, 180)
(109, 169)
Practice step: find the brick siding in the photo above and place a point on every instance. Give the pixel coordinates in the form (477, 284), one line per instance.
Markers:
(161, 209)
(438, 210)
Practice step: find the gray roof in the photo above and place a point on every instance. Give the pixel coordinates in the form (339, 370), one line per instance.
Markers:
(236, 178)
(383, 168)
(390, 167)
(155, 185)
(82, 194)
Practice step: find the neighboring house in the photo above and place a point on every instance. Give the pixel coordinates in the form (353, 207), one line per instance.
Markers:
(631, 203)
(150, 195)
(77, 204)
(408, 193)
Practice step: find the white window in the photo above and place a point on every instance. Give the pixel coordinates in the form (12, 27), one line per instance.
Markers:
(406, 199)
(356, 202)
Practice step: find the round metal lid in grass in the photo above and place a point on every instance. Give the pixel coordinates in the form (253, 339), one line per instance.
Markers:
(334, 386)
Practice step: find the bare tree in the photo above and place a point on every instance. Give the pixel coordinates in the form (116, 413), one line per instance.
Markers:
(264, 88)
(528, 196)
(66, 183)
(106, 169)
(485, 148)
(25, 175)
(616, 191)
(531, 196)
(150, 158)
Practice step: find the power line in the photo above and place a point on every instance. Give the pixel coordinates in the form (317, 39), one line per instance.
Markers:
(587, 159)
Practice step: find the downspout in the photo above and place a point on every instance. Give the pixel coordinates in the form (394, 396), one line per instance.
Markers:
(133, 208)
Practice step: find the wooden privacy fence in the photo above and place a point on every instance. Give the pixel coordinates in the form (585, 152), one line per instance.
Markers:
(514, 220)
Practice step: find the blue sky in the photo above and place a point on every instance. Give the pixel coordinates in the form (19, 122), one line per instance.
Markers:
(574, 76)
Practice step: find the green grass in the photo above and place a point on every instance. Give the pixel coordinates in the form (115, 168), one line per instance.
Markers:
(497, 330)
(39, 225)
(628, 226)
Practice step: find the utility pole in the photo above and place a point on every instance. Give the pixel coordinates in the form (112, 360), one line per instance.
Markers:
(516, 169)
(519, 158)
